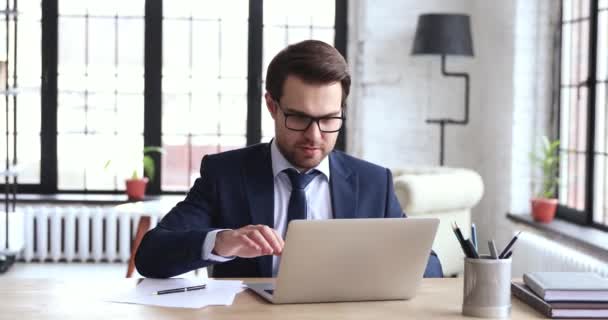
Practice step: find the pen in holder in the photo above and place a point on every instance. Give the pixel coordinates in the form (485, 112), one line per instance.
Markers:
(487, 287)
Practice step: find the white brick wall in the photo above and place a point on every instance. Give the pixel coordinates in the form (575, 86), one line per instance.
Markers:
(393, 93)
(533, 109)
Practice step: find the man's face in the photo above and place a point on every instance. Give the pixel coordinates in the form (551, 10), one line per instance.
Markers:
(305, 149)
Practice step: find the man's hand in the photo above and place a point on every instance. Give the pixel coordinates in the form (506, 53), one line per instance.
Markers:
(248, 242)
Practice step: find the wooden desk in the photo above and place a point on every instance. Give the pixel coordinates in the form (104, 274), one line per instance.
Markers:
(58, 299)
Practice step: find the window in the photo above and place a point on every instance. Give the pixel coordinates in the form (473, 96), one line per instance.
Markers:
(583, 130)
(204, 85)
(20, 73)
(120, 75)
(287, 22)
(100, 92)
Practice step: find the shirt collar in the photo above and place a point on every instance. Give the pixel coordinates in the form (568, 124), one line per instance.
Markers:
(279, 163)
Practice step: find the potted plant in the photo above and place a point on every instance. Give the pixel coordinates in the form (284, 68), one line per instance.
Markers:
(136, 184)
(544, 203)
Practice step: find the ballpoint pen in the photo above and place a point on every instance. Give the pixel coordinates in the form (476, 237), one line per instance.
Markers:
(460, 239)
(184, 289)
(474, 236)
(474, 253)
(466, 245)
(508, 247)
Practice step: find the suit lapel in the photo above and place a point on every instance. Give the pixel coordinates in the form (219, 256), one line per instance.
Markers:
(343, 185)
(260, 194)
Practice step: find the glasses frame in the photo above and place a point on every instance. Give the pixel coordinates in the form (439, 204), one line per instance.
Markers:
(310, 119)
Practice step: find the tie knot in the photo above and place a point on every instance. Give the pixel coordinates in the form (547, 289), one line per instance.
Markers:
(300, 180)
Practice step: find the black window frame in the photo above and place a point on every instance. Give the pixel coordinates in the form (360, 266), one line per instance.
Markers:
(152, 89)
(573, 215)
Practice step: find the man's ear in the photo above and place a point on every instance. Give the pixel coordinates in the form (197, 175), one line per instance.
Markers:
(270, 105)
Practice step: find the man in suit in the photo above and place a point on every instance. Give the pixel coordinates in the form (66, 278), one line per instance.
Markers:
(236, 214)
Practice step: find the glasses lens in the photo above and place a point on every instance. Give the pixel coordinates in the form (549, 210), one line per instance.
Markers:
(330, 124)
(297, 122)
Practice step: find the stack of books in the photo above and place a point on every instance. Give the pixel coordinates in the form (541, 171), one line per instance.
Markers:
(564, 294)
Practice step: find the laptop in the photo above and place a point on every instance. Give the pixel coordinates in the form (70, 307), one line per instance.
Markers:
(351, 260)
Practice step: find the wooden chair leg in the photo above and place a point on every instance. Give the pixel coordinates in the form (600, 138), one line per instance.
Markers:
(142, 228)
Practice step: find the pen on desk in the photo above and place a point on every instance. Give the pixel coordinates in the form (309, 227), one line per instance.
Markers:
(508, 247)
(474, 236)
(184, 289)
(493, 251)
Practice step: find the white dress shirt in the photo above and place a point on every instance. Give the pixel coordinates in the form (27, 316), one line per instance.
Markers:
(318, 202)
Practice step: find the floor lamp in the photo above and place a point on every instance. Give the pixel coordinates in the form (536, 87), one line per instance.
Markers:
(445, 34)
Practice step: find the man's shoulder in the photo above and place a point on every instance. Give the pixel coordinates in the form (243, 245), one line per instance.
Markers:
(359, 166)
(237, 157)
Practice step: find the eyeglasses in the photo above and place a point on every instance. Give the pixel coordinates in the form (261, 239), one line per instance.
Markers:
(301, 122)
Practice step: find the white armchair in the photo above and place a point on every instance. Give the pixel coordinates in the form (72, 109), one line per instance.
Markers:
(445, 193)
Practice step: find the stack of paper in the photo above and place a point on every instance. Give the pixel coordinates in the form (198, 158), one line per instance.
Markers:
(217, 292)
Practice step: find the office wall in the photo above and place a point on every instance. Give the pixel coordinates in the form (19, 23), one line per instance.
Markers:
(394, 92)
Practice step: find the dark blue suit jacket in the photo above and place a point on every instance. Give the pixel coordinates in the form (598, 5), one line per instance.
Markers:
(236, 188)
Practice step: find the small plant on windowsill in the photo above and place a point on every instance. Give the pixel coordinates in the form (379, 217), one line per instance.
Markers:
(136, 184)
(544, 204)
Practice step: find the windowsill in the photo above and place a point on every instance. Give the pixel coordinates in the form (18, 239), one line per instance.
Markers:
(101, 199)
(590, 238)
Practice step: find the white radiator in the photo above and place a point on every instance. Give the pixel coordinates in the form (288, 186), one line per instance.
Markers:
(77, 233)
(536, 253)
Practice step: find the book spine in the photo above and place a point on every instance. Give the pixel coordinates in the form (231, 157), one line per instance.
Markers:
(534, 285)
(534, 302)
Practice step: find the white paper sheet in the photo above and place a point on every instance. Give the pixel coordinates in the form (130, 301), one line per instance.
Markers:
(217, 292)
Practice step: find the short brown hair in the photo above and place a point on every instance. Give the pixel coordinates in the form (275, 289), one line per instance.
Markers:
(313, 61)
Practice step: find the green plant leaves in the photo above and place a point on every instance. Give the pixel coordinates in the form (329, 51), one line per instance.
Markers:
(548, 163)
(148, 163)
(149, 168)
(153, 149)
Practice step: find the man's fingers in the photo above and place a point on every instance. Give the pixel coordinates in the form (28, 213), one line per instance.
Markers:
(272, 239)
(281, 241)
(262, 238)
(259, 239)
(249, 243)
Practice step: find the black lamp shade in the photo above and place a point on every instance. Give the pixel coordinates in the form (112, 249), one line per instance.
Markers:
(444, 34)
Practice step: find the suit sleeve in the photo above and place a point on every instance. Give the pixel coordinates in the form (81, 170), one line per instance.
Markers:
(393, 210)
(175, 245)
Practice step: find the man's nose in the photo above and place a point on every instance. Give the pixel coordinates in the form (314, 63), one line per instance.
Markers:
(313, 132)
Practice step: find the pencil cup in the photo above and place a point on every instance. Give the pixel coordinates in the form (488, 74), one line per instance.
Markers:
(487, 287)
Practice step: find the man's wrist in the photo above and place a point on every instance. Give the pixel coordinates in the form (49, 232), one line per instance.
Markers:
(218, 240)
(209, 246)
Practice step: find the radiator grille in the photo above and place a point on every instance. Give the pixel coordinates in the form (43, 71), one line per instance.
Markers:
(77, 233)
(536, 253)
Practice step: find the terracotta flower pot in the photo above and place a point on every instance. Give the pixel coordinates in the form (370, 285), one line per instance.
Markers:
(136, 188)
(543, 209)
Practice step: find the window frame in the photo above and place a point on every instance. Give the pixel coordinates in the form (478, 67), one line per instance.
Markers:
(152, 89)
(584, 217)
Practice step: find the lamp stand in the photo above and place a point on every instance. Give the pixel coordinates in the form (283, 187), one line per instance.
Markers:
(442, 122)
